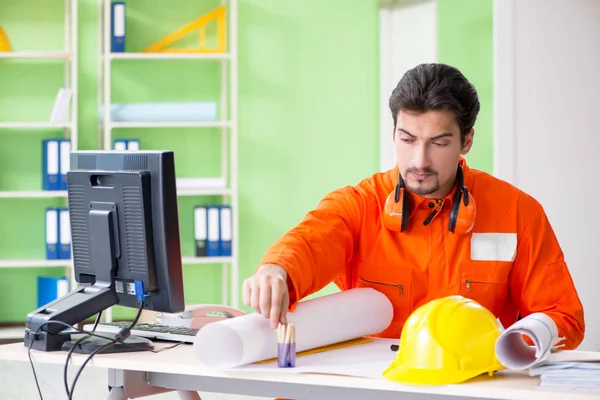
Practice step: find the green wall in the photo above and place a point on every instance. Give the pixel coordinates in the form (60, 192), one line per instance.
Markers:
(307, 118)
(308, 113)
(465, 41)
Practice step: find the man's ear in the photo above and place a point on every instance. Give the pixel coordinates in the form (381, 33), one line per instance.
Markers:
(468, 142)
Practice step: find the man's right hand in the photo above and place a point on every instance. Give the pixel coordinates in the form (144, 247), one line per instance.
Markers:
(267, 293)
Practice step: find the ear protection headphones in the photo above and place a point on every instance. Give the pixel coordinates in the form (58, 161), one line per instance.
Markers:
(462, 214)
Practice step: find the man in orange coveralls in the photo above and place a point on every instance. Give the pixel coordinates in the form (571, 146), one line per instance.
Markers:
(428, 228)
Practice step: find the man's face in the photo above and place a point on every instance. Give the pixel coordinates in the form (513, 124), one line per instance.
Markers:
(428, 147)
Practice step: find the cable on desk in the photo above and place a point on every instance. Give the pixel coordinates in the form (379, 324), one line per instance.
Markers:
(37, 332)
(120, 337)
(123, 334)
(73, 348)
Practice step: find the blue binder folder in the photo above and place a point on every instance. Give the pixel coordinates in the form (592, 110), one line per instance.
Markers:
(213, 245)
(50, 164)
(133, 144)
(50, 289)
(200, 230)
(120, 144)
(64, 236)
(225, 230)
(117, 26)
(65, 162)
(51, 224)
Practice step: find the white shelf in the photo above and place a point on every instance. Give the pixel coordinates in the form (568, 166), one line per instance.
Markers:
(206, 260)
(58, 55)
(175, 124)
(33, 193)
(204, 192)
(34, 263)
(34, 125)
(168, 56)
(19, 194)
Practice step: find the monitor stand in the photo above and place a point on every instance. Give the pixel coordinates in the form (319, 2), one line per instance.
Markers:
(92, 343)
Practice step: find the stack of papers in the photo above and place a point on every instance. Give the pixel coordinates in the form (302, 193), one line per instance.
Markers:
(568, 375)
(556, 368)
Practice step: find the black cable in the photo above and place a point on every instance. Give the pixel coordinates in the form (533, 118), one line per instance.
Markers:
(37, 384)
(98, 350)
(120, 337)
(37, 332)
(65, 371)
(123, 333)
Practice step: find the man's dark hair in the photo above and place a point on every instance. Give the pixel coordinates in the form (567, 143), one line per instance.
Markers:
(428, 87)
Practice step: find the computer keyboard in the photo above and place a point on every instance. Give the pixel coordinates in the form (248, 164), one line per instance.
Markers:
(150, 331)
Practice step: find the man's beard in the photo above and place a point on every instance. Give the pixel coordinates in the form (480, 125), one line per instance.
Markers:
(421, 190)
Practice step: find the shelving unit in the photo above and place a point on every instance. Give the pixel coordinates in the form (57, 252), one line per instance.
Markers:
(59, 55)
(34, 263)
(23, 194)
(67, 55)
(227, 124)
(36, 125)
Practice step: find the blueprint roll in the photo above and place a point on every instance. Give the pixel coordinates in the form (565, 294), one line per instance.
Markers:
(319, 322)
(163, 112)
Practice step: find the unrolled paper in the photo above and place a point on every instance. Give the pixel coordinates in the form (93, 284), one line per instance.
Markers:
(319, 322)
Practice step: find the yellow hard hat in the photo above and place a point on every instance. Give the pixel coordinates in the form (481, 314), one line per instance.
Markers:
(446, 341)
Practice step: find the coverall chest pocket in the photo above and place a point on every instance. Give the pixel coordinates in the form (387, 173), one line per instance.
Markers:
(396, 286)
(484, 278)
(486, 282)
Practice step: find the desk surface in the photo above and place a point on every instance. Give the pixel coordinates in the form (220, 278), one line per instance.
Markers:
(181, 360)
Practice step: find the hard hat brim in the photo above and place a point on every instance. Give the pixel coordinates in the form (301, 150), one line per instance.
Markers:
(414, 376)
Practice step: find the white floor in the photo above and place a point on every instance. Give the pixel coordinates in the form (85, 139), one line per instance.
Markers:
(17, 383)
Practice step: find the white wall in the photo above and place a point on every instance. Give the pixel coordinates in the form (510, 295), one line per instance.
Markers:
(547, 125)
(408, 36)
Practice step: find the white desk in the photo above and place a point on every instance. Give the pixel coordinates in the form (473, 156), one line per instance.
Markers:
(144, 373)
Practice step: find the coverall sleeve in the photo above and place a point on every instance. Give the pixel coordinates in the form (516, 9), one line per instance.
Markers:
(321, 246)
(541, 282)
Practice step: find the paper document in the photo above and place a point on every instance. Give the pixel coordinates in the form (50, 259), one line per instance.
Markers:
(367, 360)
(568, 375)
(515, 353)
(319, 322)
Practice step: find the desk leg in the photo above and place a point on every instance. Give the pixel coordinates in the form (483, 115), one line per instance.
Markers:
(125, 385)
(187, 395)
(117, 394)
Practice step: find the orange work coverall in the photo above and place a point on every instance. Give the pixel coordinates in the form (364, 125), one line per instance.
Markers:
(511, 262)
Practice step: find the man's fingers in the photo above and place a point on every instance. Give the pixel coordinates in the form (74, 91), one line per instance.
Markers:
(276, 297)
(285, 303)
(255, 295)
(246, 293)
(265, 298)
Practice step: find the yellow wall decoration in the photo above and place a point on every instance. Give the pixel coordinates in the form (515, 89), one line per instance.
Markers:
(4, 42)
(218, 15)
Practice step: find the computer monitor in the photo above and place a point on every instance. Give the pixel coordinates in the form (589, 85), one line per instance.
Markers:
(125, 244)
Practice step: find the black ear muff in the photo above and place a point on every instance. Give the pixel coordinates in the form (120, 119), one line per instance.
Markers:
(398, 189)
(401, 195)
(405, 211)
(458, 196)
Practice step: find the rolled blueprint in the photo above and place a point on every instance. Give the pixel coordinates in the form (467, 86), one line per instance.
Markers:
(319, 322)
(515, 353)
